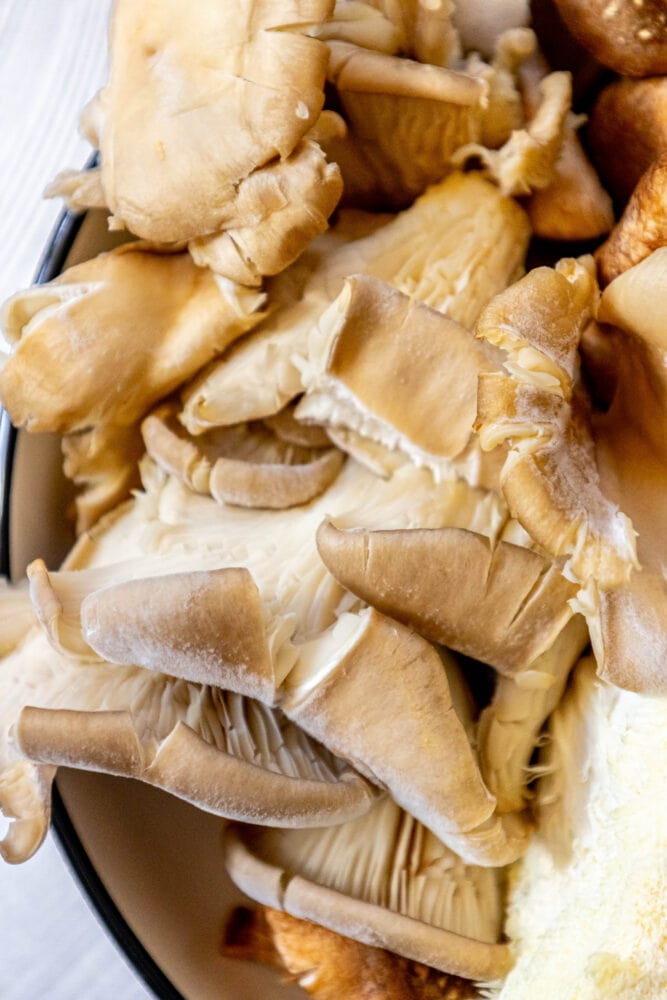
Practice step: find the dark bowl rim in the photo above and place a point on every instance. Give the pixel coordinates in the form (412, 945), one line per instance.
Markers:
(51, 264)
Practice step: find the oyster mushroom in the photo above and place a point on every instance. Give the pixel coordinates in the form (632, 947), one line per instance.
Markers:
(574, 206)
(641, 229)
(241, 465)
(630, 38)
(481, 22)
(83, 362)
(588, 901)
(509, 727)
(476, 249)
(402, 374)
(384, 881)
(247, 75)
(499, 603)
(225, 754)
(327, 965)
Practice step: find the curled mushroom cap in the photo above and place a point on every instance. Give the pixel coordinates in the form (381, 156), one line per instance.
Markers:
(385, 881)
(424, 757)
(399, 373)
(225, 754)
(480, 234)
(247, 75)
(501, 604)
(630, 38)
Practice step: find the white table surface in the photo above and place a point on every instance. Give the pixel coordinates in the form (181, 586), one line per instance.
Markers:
(52, 59)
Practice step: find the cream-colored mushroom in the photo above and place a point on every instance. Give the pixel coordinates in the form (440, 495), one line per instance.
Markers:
(225, 754)
(249, 77)
(476, 249)
(588, 901)
(509, 727)
(98, 346)
(481, 22)
(383, 880)
(499, 603)
(241, 465)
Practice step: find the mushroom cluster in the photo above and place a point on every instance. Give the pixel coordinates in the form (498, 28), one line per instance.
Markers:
(356, 497)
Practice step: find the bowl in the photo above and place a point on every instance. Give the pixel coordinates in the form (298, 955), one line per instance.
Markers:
(150, 864)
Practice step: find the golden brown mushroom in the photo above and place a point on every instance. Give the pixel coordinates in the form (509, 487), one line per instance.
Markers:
(629, 36)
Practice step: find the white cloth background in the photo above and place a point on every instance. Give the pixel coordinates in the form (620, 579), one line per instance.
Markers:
(52, 60)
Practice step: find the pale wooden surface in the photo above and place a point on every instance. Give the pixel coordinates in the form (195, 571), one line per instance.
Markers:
(52, 60)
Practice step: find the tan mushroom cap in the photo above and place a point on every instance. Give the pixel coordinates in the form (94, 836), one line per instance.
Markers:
(480, 233)
(206, 626)
(217, 750)
(499, 603)
(574, 206)
(245, 74)
(109, 337)
(383, 881)
(630, 38)
(481, 22)
(641, 229)
(411, 740)
(286, 427)
(395, 371)
(627, 131)
(242, 465)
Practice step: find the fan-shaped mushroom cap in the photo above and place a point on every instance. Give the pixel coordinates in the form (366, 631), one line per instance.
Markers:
(400, 373)
(423, 755)
(225, 754)
(630, 38)
(385, 881)
(588, 902)
(527, 161)
(479, 234)
(179, 76)
(241, 465)
(641, 229)
(499, 603)
(627, 131)
(508, 728)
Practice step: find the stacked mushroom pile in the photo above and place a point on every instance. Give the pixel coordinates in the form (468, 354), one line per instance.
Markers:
(346, 506)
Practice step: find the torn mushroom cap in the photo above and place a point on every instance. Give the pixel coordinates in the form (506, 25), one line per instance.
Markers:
(240, 465)
(574, 206)
(630, 38)
(479, 234)
(508, 728)
(499, 603)
(109, 337)
(399, 373)
(411, 741)
(550, 478)
(527, 161)
(383, 880)
(245, 74)
(223, 753)
(641, 229)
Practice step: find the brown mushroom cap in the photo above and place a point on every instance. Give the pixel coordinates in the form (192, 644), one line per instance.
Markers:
(384, 881)
(274, 486)
(630, 38)
(501, 603)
